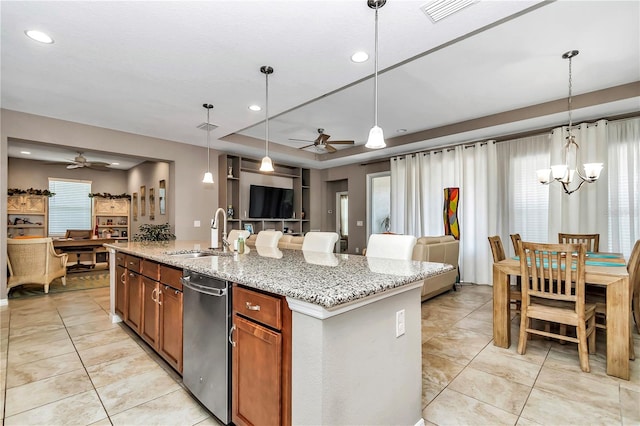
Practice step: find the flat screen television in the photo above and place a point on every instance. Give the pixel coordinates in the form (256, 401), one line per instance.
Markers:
(267, 202)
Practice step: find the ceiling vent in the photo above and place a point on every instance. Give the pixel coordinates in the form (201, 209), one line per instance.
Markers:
(203, 126)
(440, 9)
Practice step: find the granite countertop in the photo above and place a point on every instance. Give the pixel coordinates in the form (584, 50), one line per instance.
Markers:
(324, 279)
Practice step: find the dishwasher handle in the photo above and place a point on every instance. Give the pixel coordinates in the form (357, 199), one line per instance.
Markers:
(212, 291)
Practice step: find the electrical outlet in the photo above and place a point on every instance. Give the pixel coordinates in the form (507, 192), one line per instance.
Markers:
(357, 250)
(359, 223)
(196, 224)
(400, 323)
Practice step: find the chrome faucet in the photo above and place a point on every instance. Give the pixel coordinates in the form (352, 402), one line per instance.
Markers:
(214, 225)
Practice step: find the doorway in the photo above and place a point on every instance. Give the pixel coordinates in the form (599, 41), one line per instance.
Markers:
(342, 221)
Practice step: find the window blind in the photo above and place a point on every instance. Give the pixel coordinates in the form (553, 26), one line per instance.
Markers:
(70, 208)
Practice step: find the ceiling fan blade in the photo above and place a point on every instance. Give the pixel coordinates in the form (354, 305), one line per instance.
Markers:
(74, 166)
(301, 140)
(341, 142)
(99, 168)
(322, 139)
(329, 148)
(313, 144)
(97, 164)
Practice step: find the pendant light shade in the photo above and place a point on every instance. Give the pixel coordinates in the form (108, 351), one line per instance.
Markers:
(267, 164)
(208, 177)
(376, 136)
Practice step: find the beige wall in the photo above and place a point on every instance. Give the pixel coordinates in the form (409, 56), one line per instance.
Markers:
(188, 197)
(24, 174)
(356, 178)
(149, 174)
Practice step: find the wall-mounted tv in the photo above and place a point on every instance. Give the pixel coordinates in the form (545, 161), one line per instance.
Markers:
(267, 202)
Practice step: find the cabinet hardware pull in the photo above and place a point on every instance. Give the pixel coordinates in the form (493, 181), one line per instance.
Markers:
(233, 327)
(253, 307)
(159, 294)
(123, 277)
(131, 274)
(152, 298)
(177, 292)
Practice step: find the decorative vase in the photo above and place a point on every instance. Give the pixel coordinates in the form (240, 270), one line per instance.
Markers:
(230, 212)
(230, 172)
(450, 212)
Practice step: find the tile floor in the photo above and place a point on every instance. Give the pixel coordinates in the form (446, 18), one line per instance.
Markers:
(63, 362)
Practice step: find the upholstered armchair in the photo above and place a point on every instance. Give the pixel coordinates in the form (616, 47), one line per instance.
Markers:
(34, 261)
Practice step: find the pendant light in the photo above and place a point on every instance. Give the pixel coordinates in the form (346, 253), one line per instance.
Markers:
(208, 177)
(267, 165)
(376, 136)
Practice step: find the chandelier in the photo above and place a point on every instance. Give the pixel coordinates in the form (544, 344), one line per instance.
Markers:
(566, 173)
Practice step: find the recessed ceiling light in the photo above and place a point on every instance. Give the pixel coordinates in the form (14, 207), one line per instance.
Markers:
(401, 131)
(39, 36)
(359, 57)
(255, 107)
(25, 152)
(115, 164)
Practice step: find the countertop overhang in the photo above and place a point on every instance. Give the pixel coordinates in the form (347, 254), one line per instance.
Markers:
(324, 279)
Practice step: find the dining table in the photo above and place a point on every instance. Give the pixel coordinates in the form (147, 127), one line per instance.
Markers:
(608, 270)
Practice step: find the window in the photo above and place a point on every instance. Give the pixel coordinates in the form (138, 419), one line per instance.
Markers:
(70, 208)
(379, 202)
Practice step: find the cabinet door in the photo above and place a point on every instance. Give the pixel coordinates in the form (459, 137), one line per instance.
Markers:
(120, 206)
(257, 374)
(171, 326)
(150, 311)
(102, 206)
(14, 204)
(35, 204)
(121, 291)
(134, 301)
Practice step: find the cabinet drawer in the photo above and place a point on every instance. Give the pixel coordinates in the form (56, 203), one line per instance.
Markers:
(133, 263)
(121, 259)
(171, 276)
(258, 306)
(150, 269)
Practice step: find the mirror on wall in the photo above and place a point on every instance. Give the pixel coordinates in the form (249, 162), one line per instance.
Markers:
(162, 197)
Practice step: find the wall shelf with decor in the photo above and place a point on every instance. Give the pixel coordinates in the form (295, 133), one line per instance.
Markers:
(27, 215)
(112, 217)
(230, 170)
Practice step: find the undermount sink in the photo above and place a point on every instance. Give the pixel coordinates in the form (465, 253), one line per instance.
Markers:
(197, 254)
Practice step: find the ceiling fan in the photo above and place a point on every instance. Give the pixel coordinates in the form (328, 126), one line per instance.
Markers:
(322, 142)
(80, 162)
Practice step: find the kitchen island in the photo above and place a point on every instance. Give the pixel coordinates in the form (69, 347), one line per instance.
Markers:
(355, 325)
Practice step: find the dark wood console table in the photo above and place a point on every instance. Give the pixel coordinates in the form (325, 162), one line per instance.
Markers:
(83, 246)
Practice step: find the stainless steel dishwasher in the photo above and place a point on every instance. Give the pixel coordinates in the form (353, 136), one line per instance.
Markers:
(207, 352)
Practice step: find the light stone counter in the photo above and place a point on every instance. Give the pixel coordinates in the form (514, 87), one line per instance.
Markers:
(326, 280)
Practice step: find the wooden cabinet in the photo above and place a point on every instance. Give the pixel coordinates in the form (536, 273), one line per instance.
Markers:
(149, 299)
(261, 375)
(27, 215)
(112, 217)
(229, 194)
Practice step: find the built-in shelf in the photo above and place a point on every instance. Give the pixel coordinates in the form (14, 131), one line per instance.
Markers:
(229, 193)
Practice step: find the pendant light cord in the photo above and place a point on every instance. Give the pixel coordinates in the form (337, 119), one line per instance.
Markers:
(208, 131)
(266, 121)
(375, 78)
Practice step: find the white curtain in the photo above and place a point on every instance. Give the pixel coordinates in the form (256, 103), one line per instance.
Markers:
(585, 211)
(417, 202)
(623, 170)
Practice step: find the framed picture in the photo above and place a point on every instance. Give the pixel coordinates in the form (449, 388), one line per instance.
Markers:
(152, 204)
(162, 196)
(134, 201)
(248, 227)
(143, 200)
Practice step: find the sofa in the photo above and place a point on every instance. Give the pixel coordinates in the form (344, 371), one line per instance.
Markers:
(441, 249)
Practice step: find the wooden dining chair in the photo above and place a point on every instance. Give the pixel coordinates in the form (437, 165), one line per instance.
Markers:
(497, 249)
(634, 278)
(553, 290)
(591, 240)
(600, 300)
(515, 240)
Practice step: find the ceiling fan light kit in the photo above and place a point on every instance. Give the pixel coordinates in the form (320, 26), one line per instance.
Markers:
(208, 177)
(376, 136)
(267, 164)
